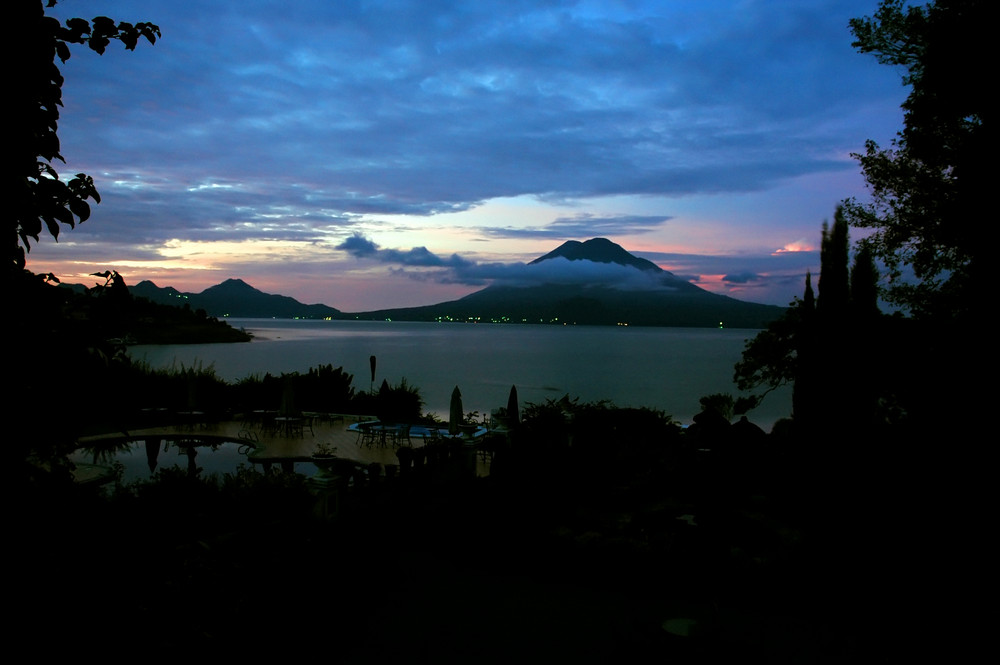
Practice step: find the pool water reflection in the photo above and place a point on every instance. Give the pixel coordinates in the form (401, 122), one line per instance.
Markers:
(140, 460)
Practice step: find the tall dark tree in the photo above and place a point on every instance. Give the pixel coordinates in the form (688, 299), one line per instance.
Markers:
(809, 296)
(931, 197)
(826, 339)
(772, 358)
(833, 278)
(54, 359)
(930, 189)
(930, 217)
(826, 351)
(864, 286)
(804, 346)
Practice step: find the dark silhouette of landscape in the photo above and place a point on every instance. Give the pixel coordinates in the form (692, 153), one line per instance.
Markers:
(235, 298)
(852, 531)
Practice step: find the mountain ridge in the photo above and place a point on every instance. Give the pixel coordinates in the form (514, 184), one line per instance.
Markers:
(663, 299)
(599, 250)
(656, 298)
(235, 298)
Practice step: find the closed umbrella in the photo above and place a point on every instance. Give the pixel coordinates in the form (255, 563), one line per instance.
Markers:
(371, 361)
(455, 413)
(513, 412)
(152, 452)
(288, 398)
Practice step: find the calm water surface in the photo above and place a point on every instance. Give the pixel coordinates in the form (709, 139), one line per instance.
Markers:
(663, 368)
(135, 459)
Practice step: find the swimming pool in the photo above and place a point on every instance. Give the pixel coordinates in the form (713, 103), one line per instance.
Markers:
(141, 459)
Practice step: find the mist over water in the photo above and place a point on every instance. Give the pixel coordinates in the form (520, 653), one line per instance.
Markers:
(662, 368)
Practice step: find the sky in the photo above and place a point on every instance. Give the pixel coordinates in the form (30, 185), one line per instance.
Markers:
(376, 154)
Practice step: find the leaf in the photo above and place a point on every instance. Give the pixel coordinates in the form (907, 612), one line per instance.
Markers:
(79, 25)
(149, 30)
(98, 44)
(82, 186)
(30, 227)
(52, 226)
(128, 35)
(103, 24)
(64, 216)
(62, 51)
(80, 208)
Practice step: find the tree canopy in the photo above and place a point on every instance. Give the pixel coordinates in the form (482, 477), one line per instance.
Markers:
(826, 346)
(41, 200)
(58, 352)
(929, 187)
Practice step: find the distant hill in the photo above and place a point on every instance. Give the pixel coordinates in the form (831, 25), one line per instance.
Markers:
(235, 298)
(608, 286)
(113, 312)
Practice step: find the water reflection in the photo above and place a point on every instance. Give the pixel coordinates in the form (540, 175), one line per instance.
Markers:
(141, 459)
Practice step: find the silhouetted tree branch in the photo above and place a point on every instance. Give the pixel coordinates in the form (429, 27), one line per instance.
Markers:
(41, 200)
(930, 187)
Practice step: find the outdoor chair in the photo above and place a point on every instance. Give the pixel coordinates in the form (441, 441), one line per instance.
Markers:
(403, 435)
(294, 427)
(266, 422)
(489, 445)
(366, 434)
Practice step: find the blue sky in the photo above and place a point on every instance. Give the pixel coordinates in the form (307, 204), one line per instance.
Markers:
(383, 154)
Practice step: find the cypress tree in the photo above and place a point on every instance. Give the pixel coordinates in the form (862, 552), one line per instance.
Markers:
(834, 287)
(864, 286)
(804, 386)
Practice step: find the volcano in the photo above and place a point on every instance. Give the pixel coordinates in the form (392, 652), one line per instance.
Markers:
(596, 282)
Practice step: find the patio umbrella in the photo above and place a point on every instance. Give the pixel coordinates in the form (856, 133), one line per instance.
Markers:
(152, 452)
(513, 412)
(455, 413)
(288, 398)
(371, 361)
(192, 453)
(191, 382)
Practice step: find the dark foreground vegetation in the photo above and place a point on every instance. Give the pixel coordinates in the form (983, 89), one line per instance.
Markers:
(108, 313)
(602, 534)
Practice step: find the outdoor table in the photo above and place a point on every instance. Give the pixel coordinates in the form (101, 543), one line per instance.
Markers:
(384, 434)
(191, 418)
(263, 418)
(288, 425)
(364, 430)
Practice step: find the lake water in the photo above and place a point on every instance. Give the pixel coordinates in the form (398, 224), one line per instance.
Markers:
(662, 368)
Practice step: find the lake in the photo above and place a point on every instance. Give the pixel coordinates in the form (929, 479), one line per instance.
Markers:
(661, 368)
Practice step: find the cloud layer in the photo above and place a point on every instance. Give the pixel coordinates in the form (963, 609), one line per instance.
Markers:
(320, 124)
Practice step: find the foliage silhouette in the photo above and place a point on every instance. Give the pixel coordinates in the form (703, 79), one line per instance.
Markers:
(40, 199)
(831, 348)
(931, 190)
(60, 360)
(931, 187)
(323, 389)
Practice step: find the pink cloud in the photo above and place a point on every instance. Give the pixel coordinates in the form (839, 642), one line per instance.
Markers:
(797, 246)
